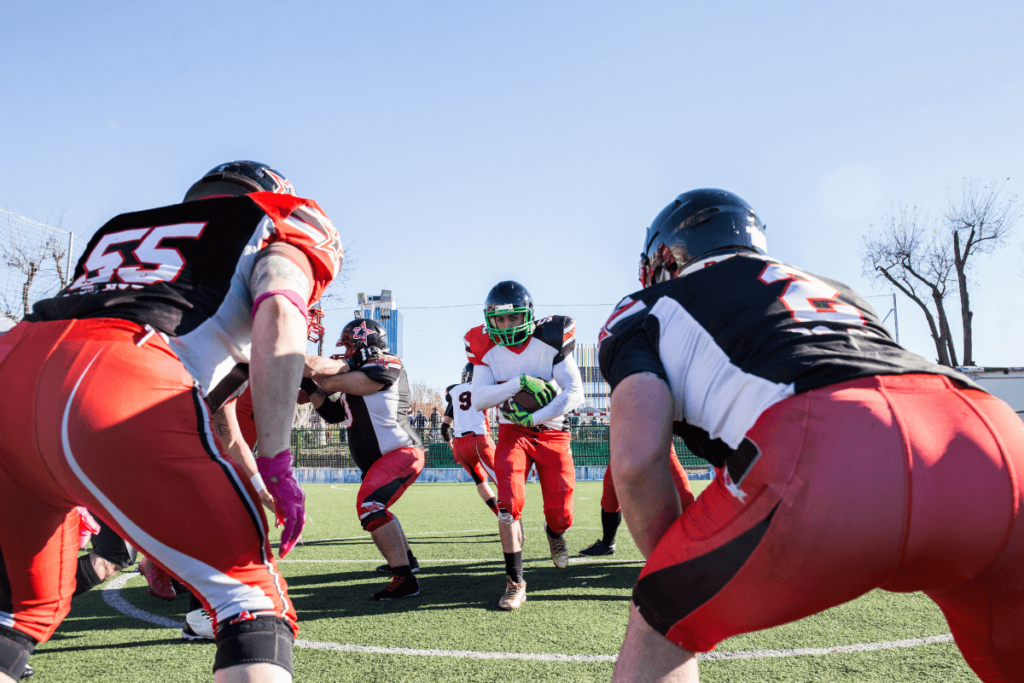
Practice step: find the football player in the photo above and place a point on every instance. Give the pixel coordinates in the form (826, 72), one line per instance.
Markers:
(847, 463)
(374, 405)
(471, 442)
(168, 313)
(611, 512)
(511, 352)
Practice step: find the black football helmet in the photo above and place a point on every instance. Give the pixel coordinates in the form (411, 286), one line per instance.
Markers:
(239, 177)
(467, 373)
(695, 224)
(507, 298)
(359, 333)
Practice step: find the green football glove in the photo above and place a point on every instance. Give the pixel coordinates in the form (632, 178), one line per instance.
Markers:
(516, 415)
(543, 392)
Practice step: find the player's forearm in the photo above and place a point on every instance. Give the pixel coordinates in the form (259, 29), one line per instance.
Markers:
(225, 424)
(490, 395)
(570, 398)
(278, 346)
(567, 374)
(318, 365)
(641, 434)
(354, 382)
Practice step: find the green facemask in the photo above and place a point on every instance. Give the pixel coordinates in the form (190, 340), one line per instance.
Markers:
(509, 336)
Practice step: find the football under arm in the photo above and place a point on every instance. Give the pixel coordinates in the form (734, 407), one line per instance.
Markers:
(487, 394)
(278, 344)
(567, 374)
(641, 435)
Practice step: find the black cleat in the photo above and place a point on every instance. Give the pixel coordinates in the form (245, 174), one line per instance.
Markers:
(27, 672)
(400, 587)
(385, 569)
(599, 548)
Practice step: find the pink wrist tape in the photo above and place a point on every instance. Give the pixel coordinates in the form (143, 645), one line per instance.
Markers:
(289, 294)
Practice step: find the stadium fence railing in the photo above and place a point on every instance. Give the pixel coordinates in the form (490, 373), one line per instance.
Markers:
(327, 447)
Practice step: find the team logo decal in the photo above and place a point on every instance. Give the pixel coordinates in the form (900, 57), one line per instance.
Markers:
(371, 506)
(619, 312)
(361, 333)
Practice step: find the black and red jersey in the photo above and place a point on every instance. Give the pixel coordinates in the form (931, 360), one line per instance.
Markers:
(185, 270)
(734, 334)
(378, 423)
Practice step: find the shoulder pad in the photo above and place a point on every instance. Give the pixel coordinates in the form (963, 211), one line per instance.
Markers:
(557, 331)
(478, 343)
(302, 223)
(386, 360)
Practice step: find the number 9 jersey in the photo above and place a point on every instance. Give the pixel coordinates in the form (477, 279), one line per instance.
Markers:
(184, 270)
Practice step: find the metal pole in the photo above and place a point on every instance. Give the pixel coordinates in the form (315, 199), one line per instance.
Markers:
(895, 318)
(71, 245)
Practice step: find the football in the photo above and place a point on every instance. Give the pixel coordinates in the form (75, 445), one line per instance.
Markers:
(526, 401)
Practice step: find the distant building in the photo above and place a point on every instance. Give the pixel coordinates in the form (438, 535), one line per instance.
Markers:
(384, 310)
(595, 390)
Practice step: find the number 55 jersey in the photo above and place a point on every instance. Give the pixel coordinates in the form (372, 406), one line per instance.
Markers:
(184, 270)
(734, 339)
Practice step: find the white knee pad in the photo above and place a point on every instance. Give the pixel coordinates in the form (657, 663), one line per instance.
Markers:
(505, 517)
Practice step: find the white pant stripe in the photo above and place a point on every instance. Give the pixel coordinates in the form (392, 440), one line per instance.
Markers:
(226, 595)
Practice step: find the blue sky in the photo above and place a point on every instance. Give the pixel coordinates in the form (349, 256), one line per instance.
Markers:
(457, 144)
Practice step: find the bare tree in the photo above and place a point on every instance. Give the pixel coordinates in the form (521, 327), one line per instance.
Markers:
(914, 259)
(979, 222)
(35, 266)
(425, 399)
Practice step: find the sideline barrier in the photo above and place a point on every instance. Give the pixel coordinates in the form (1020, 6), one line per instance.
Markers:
(447, 475)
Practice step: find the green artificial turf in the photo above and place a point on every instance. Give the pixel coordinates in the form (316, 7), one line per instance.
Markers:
(578, 611)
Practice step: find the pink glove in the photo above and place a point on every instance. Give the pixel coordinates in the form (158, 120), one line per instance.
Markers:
(87, 526)
(289, 498)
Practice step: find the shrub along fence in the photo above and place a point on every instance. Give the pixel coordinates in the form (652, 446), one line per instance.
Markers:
(328, 447)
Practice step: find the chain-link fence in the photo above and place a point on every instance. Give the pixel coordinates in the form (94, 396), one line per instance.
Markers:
(36, 261)
(327, 446)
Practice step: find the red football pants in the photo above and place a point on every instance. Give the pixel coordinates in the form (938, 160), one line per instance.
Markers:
(476, 455)
(89, 418)
(610, 500)
(906, 483)
(384, 483)
(520, 448)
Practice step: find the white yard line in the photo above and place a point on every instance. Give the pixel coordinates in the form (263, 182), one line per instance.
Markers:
(112, 596)
(572, 560)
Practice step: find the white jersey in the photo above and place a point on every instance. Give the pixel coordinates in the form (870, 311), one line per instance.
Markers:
(547, 354)
(465, 418)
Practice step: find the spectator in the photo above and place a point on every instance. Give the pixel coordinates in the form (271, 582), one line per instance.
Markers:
(435, 424)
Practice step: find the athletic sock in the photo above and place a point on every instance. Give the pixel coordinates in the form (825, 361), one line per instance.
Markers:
(411, 557)
(514, 566)
(551, 534)
(492, 503)
(405, 570)
(85, 576)
(610, 524)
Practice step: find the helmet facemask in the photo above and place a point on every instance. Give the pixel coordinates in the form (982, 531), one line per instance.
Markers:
(509, 336)
(358, 334)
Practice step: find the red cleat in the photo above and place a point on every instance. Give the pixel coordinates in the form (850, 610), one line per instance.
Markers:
(159, 581)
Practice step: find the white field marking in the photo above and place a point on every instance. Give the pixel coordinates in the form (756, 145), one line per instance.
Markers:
(493, 530)
(572, 560)
(338, 488)
(112, 596)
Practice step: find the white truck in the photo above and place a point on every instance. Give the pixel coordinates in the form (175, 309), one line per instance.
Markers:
(1004, 383)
